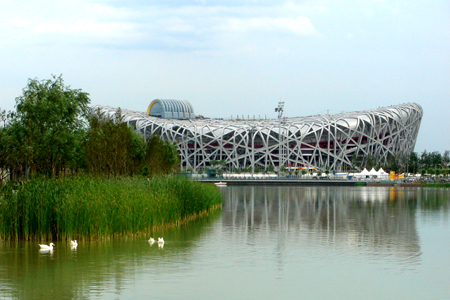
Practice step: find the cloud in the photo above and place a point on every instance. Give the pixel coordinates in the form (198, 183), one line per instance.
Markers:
(195, 25)
(84, 27)
(84, 24)
(298, 26)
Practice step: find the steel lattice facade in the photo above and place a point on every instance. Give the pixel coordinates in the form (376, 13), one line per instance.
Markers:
(315, 141)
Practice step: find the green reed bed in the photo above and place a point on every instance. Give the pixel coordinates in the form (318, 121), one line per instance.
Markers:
(90, 208)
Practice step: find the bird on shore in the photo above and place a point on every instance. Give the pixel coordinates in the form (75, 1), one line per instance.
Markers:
(73, 244)
(151, 241)
(46, 247)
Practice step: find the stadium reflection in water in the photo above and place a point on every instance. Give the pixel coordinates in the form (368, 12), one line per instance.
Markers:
(378, 221)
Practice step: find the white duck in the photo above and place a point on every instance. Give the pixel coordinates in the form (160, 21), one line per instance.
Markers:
(151, 241)
(160, 242)
(47, 247)
(73, 244)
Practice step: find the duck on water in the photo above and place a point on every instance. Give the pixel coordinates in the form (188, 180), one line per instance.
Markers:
(46, 247)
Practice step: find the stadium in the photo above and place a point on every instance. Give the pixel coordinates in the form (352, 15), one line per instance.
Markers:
(313, 142)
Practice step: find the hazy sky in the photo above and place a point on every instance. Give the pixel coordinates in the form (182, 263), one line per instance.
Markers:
(238, 57)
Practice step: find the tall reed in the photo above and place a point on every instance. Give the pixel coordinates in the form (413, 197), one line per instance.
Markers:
(92, 207)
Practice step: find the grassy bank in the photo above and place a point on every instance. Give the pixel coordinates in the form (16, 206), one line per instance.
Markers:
(441, 184)
(90, 208)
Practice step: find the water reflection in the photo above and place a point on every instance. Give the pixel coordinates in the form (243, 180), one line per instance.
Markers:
(298, 236)
(94, 268)
(371, 222)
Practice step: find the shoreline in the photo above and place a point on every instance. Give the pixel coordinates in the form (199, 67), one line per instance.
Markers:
(300, 182)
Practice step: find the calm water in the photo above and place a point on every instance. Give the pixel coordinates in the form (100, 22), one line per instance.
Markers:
(266, 243)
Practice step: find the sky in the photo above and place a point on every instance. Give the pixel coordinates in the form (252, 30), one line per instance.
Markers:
(230, 58)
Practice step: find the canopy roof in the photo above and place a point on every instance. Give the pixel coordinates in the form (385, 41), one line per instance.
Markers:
(171, 109)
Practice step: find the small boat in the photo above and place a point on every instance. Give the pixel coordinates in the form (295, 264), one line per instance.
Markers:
(220, 183)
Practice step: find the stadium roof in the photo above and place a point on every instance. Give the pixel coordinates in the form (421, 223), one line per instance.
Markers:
(171, 109)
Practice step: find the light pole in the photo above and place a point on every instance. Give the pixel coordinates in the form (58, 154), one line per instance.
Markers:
(280, 110)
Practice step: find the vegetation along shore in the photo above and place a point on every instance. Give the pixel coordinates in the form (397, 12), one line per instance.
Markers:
(67, 172)
(88, 207)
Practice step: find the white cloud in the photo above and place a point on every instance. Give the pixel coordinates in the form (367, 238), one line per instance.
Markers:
(87, 23)
(20, 22)
(298, 26)
(85, 27)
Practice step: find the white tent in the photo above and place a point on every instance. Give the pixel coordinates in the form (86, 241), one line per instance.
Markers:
(382, 172)
(364, 172)
(373, 172)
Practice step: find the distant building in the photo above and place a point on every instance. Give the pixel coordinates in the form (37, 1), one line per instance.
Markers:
(171, 109)
(319, 141)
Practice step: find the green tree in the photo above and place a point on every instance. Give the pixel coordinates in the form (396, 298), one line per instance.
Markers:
(112, 147)
(425, 161)
(446, 172)
(214, 163)
(3, 117)
(396, 163)
(45, 133)
(136, 156)
(446, 159)
(371, 161)
(107, 143)
(223, 164)
(161, 157)
(436, 159)
(413, 162)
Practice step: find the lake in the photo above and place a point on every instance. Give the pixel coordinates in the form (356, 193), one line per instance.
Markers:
(267, 242)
